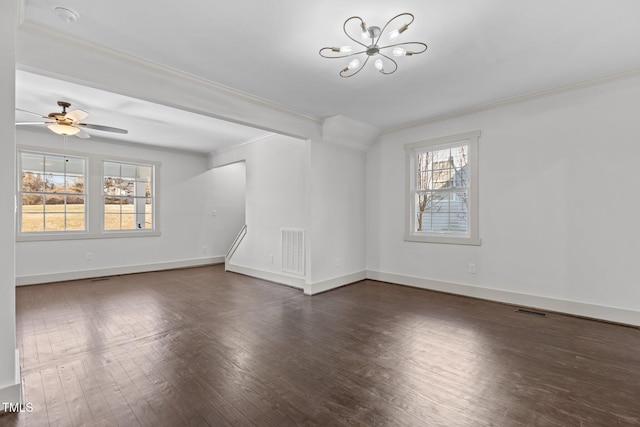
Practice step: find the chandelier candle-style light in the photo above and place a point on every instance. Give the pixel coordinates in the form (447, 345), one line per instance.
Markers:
(371, 43)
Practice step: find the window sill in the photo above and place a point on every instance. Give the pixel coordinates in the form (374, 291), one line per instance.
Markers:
(452, 240)
(83, 235)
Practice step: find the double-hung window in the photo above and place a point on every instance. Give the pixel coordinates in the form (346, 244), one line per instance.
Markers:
(127, 196)
(52, 193)
(64, 196)
(442, 190)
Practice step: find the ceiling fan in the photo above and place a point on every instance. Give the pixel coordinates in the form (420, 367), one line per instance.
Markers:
(66, 124)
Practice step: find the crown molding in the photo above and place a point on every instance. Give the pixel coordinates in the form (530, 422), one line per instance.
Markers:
(59, 38)
(515, 100)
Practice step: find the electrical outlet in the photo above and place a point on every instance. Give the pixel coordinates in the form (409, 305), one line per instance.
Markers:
(338, 262)
(204, 249)
(89, 256)
(271, 258)
(472, 268)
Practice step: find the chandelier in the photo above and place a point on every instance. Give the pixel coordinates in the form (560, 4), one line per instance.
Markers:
(371, 48)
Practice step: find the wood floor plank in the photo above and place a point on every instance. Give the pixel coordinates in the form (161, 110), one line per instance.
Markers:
(205, 347)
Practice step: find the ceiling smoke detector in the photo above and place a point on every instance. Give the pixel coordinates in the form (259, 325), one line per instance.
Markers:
(66, 14)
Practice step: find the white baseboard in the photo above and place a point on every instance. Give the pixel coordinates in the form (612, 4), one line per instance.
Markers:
(12, 393)
(114, 271)
(611, 314)
(279, 278)
(336, 282)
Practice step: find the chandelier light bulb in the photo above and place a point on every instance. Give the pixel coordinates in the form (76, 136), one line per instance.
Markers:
(346, 49)
(353, 64)
(398, 51)
(395, 33)
(379, 65)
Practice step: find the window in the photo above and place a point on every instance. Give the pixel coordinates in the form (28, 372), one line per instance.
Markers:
(443, 190)
(128, 196)
(52, 193)
(70, 195)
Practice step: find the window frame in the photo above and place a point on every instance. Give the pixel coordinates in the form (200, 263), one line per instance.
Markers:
(93, 202)
(472, 236)
(153, 197)
(20, 193)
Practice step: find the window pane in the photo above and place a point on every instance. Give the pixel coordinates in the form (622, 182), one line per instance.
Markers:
(75, 203)
(32, 203)
(32, 182)
(75, 166)
(112, 221)
(128, 171)
(74, 184)
(112, 169)
(54, 183)
(126, 186)
(54, 222)
(144, 173)
(54, 203)
(75, 221)
(424, 181)
(128, 221)
(32, 162)
(54, 164)
(32, 222)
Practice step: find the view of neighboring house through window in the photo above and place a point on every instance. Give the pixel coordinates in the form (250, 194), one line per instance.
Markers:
(442, 190)
(51, 193)
(128, 196)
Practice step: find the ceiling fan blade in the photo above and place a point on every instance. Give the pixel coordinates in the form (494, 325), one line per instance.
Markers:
(31, 112)
(32, 123)
(77, 115)
(103, 128)
(82, 134)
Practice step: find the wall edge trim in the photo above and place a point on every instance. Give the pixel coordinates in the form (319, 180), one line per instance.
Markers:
(574, 308)
(269, 276)
(335, 282)
(114, 271)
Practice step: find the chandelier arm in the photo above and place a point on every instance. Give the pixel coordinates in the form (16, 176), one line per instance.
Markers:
(341, 56)
(344, 29)
(406, 43)
(357, 71)
(390, 59)
(392, 19)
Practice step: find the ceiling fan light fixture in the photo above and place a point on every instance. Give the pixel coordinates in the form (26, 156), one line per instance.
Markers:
(66, 14)
(66, 130)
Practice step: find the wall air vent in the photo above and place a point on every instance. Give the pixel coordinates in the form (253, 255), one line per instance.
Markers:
(293, 250)
(532, 312)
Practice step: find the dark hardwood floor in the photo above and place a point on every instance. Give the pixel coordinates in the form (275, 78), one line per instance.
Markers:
(200, 347)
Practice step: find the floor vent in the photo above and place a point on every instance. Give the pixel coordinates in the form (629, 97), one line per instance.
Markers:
(532, 312)
(99, 279)
(293, 250)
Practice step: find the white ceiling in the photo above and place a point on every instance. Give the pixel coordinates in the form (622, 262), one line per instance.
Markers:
(480, 51)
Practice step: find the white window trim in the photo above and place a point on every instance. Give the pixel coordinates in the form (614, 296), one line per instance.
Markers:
(93, 202)
(473, 237)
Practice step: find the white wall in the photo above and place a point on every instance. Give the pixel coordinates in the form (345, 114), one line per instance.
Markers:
(184, 205)
(9, 384)
(227, 185)
(338, 215)
(275, 198)
(558, 205)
